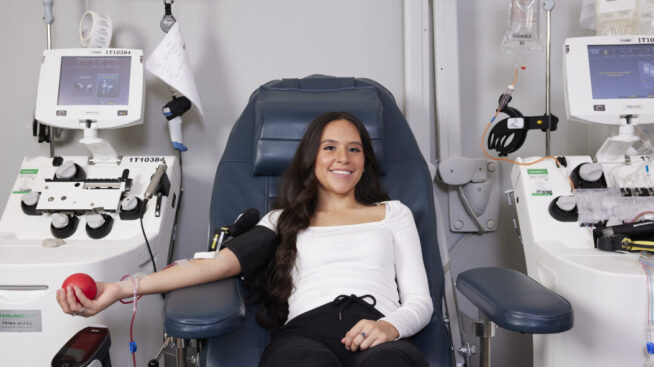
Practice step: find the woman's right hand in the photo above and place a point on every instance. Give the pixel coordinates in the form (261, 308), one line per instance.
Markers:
(108, 293)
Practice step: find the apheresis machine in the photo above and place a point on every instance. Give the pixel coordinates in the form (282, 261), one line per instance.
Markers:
(102, 214)
(586, 222)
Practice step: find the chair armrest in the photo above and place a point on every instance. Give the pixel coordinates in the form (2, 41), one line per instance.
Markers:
(204, 311)
(515, 302)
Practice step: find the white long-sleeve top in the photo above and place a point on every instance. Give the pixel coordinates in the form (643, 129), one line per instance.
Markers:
(381, 258)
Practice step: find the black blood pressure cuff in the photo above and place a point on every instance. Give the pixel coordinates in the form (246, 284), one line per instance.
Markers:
(254, 249)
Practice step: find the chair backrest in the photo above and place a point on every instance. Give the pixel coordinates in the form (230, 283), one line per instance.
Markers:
(262, 144)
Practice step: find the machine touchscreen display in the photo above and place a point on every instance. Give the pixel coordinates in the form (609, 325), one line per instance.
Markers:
(94, 80)
(621, 71)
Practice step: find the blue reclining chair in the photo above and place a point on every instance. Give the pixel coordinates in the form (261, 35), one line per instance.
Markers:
(260, 147)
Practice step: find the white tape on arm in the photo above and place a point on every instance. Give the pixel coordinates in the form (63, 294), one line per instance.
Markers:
(182, 262)
(205, 255)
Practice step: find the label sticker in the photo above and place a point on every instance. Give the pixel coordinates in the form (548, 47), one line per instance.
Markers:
(25, 181)
(515, 123)
(20, 321)
(539, 182)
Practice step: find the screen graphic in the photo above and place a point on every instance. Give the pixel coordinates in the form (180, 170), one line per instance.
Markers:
(94, 80)
(621, 71)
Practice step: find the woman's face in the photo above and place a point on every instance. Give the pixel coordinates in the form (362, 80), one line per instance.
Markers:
(340, 159)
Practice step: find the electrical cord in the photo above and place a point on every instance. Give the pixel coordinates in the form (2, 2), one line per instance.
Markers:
(468, 207)
(145, 236)
(181, 168)
(179, 205)
(459, 243)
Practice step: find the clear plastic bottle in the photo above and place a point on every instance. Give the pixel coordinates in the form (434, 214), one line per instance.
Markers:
(616, 17)
(647, 16)
(587, 15)
(523, 27)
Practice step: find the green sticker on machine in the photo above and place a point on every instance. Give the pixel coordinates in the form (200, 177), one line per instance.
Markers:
(25, 181)
(539, 182)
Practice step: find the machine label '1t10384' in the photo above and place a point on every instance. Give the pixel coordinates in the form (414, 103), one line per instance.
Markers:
(146, 159)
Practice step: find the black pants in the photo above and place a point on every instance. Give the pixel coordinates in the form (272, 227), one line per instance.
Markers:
(314, 339)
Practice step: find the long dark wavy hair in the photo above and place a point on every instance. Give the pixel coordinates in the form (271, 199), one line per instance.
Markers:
(297, 199)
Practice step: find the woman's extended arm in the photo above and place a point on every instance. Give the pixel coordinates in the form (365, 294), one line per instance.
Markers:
(224, 265)
(248, 254)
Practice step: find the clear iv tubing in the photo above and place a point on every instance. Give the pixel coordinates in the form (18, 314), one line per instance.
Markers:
(504, 100)
(134, 302)
(648, 264)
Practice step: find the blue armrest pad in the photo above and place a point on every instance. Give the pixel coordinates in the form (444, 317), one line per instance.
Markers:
(204, 311)
(515, 302)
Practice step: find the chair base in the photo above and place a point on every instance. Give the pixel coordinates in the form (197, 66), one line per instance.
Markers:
(482, 328)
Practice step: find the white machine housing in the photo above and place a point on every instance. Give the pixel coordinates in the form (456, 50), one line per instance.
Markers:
(607, 290)
(32, 325)
(607, 80)
(598, 89)
(70, 92)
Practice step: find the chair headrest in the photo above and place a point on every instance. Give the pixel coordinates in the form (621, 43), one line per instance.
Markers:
(283, 115)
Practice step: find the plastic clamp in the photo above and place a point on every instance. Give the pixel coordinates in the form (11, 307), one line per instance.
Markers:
(179, 146)
(132, 347)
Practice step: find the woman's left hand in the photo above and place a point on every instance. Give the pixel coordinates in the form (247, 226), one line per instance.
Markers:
(368, 333)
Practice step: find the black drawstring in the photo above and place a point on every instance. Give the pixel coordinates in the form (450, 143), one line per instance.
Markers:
(344, 300)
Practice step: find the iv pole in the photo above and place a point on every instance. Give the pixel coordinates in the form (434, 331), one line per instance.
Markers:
(548, 5)
(48, 19)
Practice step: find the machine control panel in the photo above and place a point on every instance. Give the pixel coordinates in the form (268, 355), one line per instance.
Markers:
(587, 193)
(79, 200)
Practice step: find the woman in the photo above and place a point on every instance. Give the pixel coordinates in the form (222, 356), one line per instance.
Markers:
(343, 249)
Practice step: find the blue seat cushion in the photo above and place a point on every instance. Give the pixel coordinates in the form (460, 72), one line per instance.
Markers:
(514, 301)
(282, 117)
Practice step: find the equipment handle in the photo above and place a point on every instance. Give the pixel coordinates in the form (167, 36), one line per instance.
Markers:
(154, 182)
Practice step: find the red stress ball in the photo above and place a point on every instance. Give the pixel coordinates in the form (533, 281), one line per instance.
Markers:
(84, 282)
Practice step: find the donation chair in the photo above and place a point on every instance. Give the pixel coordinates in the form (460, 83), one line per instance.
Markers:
(260, 147)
